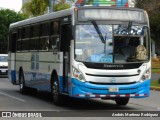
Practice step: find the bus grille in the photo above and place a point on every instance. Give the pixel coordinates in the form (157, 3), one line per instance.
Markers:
(112, 83)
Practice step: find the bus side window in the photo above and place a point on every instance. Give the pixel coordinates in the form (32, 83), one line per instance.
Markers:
(13, 41)
(54, 36)
(44, 43)
(44, 36)
(10, 41)
(19, 39)
(56, 28)
(54, 43)
(19, 45)
(34, 37)
(66, 36)
(25, 38)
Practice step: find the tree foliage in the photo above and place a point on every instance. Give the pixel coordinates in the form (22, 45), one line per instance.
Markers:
(6, 18)
(61, 6)
(40, 7)
(35, 7)
(153, 9)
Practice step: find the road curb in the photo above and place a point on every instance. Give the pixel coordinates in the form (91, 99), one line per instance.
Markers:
(155, 88)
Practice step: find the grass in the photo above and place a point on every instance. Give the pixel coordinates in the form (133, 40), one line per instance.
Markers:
(155, 70)
(155, 83)
(155, 65)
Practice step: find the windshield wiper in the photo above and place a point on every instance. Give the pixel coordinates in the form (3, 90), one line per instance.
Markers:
(98, 31)
(129, 29)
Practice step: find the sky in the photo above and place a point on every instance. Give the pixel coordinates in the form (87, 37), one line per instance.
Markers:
(11, 4)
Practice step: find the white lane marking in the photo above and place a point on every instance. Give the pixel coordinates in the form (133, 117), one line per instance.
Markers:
(12, 97)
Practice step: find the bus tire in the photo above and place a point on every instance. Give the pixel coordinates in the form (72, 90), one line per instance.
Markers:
(122, 101)
(22, 87)
(57, 97)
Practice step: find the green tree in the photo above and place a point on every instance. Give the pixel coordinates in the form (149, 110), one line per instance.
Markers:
(6, 18)
(61, 6)
(35, 7)
(39, 7)
(153, 9)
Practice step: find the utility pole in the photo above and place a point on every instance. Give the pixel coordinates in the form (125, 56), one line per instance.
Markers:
(50, 6)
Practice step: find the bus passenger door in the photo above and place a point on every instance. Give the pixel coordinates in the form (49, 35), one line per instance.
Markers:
(66, 36)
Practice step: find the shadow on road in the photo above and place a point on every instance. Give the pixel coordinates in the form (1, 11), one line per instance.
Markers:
(3, 76)
(81, 104)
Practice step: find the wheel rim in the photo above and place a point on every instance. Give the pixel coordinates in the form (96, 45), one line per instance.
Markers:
(55, 91)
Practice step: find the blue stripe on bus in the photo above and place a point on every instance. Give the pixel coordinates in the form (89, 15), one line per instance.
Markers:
(13, 77)
(60, 84)
(89, 88)
(83, 87)
(42, 85)
(39, 81)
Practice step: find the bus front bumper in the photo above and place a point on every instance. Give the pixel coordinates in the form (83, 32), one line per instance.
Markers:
(89, 90)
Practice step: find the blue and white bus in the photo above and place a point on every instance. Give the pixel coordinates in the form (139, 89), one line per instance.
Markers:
(85, 52)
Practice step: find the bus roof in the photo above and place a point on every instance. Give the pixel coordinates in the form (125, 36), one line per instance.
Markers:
(42, 18)
(63, 13)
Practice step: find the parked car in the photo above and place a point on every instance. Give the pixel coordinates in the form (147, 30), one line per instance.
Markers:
(3, 64)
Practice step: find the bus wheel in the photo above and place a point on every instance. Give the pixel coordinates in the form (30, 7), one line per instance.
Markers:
(57, 97)
(22, 87)
(122, 101)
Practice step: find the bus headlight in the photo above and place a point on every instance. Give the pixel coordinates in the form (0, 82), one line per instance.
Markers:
(146, 75)
(77, 74)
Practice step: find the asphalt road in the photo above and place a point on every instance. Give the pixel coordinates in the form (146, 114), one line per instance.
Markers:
(12, 100)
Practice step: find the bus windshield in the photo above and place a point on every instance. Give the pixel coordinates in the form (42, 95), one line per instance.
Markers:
(122, 45)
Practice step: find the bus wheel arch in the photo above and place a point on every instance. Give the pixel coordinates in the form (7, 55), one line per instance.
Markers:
(55, 88)
(20, 72)
(54, 73)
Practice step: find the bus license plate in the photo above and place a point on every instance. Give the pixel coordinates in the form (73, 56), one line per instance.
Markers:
(113, 89)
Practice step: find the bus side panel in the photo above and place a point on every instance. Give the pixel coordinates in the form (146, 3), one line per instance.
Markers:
(37, 72)
(46, 63)
(23, 60)
(59, 69)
